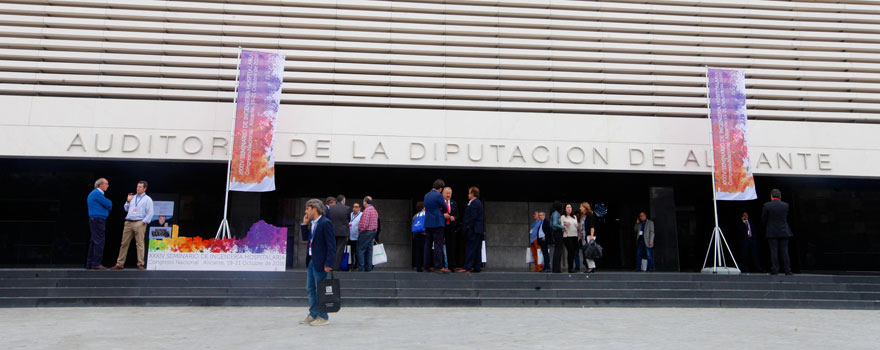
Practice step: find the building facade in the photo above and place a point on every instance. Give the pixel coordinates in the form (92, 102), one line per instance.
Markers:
(532, 101)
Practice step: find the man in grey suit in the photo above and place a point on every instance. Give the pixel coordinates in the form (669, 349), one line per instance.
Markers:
(775, 218)
(339, 217)
(644, 230)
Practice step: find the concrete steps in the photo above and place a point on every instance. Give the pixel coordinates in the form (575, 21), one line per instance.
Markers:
(74, 287)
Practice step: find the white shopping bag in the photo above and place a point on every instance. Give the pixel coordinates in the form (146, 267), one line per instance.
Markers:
(379, 256)
(644, 265)
(484, 252)
(540, 257)
(529, 258)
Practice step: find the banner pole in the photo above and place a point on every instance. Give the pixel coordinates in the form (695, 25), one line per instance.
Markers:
(223, 230)
(715, 243)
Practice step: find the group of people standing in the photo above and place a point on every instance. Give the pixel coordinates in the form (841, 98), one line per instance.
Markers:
(566, 229)
(441, 238)
(138, 215)
(356, 226)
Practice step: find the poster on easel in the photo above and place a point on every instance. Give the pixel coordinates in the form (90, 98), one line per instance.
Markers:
(264, 248)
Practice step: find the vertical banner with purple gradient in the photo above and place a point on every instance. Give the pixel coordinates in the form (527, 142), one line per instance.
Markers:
(253, 146)
(730, 141)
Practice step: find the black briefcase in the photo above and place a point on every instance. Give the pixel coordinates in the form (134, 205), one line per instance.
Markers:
(329, 298)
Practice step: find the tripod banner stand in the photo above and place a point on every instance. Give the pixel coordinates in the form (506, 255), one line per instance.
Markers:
(732, 178)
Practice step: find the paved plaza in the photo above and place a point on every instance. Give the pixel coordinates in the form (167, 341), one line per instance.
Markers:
(437, 328)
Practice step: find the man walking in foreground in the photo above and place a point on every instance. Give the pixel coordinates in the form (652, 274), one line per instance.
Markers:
(322, 249)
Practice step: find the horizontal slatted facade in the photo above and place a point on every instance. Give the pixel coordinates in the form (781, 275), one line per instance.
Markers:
(807, 61)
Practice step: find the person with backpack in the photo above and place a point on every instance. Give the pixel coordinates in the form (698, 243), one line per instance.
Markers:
(418, 238)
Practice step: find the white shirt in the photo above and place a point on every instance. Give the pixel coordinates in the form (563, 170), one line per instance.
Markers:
(353, 222)
(572, 229)
(314, 224)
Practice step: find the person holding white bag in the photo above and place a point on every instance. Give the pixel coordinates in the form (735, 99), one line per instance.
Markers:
(588, 222)
(367, 227)
(535, 234)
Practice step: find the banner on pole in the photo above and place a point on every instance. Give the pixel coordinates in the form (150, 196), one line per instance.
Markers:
(730, 142)
(253, 146)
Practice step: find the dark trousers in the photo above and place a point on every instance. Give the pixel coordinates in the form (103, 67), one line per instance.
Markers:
(341, 242)
(434, 239)
(779, 249)
(453, 247)
(557, 251)
(418, 244)
(749, 256)
(544, 243)
(644, 249)
(96, 242)
(571, 248)
(353, 254)
(473, 259)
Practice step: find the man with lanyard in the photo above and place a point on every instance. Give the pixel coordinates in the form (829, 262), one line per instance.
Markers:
(644, 229)
(353, 232)
(322, 249)
(749, 256)
(137, 218)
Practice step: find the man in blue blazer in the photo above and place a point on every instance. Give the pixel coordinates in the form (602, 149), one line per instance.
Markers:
(322, 249)
(435, 221)
(474, 229)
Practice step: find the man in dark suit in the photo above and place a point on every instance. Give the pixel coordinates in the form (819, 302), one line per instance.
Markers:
(749, 256)
(322, 249)
(435, 222)
(547, 241)
(339, 215)
(474, 229)
(451, 233)
(775, 218)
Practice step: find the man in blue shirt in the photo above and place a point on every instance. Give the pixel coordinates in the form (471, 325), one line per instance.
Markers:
(99, 208)
(436, 214)
(536, 239)
(139, 208)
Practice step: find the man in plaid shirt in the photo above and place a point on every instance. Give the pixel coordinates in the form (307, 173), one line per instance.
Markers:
(367, 227)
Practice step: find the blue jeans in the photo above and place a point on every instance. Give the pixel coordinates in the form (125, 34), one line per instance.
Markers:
(313, 277)
(365, 250)
(649, 251)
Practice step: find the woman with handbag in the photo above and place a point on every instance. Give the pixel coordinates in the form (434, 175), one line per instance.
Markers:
(589, 225)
